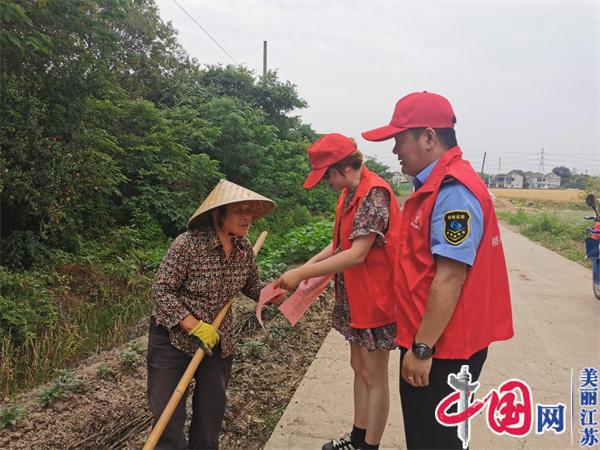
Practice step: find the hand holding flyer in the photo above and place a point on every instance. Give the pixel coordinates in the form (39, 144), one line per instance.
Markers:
(306, 294)
(268, 294)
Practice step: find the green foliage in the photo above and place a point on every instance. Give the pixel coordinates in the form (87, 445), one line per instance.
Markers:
(84, 143)
(111, 122)
(551, 230)
(49, 394)
(593, 187)
(10, 415)
(518, 218)
(579, 181)
(253, 349)
(103, 370)
(267, 94)
(294, 245)
(131, 355)
(65, 382)
(26, 305)
(110, 138)
(82, 301)
(379, 168)
(388, 175)
(19, 35)
(68, 379)
(564, 173)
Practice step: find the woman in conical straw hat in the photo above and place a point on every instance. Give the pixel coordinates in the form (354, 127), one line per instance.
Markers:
(204, 267)
(362, 255)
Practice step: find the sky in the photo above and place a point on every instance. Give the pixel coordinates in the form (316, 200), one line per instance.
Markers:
(521, 76)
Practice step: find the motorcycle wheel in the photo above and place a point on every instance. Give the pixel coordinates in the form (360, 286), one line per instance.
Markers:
(596, 277)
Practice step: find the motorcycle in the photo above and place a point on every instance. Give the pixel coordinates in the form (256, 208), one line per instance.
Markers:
(592, 244)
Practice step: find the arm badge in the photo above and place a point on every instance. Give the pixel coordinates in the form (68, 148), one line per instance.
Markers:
(457, 226)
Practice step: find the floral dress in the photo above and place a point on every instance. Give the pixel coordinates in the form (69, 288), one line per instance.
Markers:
(372, 217)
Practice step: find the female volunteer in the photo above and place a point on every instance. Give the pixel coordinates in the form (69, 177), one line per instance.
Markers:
(362, 257)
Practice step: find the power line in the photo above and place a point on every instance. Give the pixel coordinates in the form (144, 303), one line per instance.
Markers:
(205, 32)
(529, 152)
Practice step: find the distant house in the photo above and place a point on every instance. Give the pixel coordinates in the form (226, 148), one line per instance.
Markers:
(534, 180)
(511, 180)
(498, 180)
(551, 181)
(548, 181)
(514, 180)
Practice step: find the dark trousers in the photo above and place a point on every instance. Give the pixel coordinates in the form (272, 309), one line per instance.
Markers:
(421, 428)
(166, 365)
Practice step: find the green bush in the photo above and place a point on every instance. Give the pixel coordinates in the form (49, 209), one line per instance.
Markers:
(68, 379)
(130, 356)
(103, 370)
(22, 249)
(49, 394)
(26, 305)
(293, 246)
(65, 381)
(254, 349)
(519, 218)
(10, 415)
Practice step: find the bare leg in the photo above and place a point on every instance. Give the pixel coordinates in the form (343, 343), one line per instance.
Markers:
(360, 388)
(375, 376)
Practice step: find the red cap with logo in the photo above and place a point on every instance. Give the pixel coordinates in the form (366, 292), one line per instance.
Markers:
(416, 110)
(327, 150)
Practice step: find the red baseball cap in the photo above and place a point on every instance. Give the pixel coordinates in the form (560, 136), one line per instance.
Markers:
(327, 150)
(416, 110)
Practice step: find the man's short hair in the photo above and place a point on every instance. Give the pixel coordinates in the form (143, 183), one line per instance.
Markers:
(447, 136)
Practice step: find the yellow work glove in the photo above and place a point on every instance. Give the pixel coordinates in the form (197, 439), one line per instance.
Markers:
(206, 333)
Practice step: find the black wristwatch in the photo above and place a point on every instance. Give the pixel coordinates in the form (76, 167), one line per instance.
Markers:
(422, 351)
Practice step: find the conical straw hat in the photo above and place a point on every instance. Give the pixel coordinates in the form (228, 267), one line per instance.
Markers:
(226, 192)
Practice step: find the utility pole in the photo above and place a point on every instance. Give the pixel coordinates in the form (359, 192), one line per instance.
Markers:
(500, 164)
(264, 60)
(541, 166)
(482, 167)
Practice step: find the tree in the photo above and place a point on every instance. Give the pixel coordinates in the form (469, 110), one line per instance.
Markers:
(384, 172)
(106, 122)
(578, 181)
(70, 71)
(564, 173)
(274, 98)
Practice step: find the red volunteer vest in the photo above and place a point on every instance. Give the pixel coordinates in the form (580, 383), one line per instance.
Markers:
(483, 312)
(371, 286)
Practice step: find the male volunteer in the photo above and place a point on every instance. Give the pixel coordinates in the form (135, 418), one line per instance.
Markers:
(455, 298)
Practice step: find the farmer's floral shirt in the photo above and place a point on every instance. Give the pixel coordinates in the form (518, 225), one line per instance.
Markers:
(195, 277)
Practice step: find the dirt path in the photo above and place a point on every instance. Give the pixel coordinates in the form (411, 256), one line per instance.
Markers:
(107, 407)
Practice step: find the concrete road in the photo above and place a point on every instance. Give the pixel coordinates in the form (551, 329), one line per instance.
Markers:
(557, 332)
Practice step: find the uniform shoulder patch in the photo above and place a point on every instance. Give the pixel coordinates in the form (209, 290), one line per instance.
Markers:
(457, 226)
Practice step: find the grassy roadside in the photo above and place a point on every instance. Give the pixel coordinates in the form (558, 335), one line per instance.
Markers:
(562, 233)
(74, 305)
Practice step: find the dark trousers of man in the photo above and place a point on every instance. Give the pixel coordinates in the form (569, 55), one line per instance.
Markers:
(166, 365)
(421, 428)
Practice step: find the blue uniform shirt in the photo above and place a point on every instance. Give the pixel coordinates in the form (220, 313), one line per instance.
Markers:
(456, 221)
